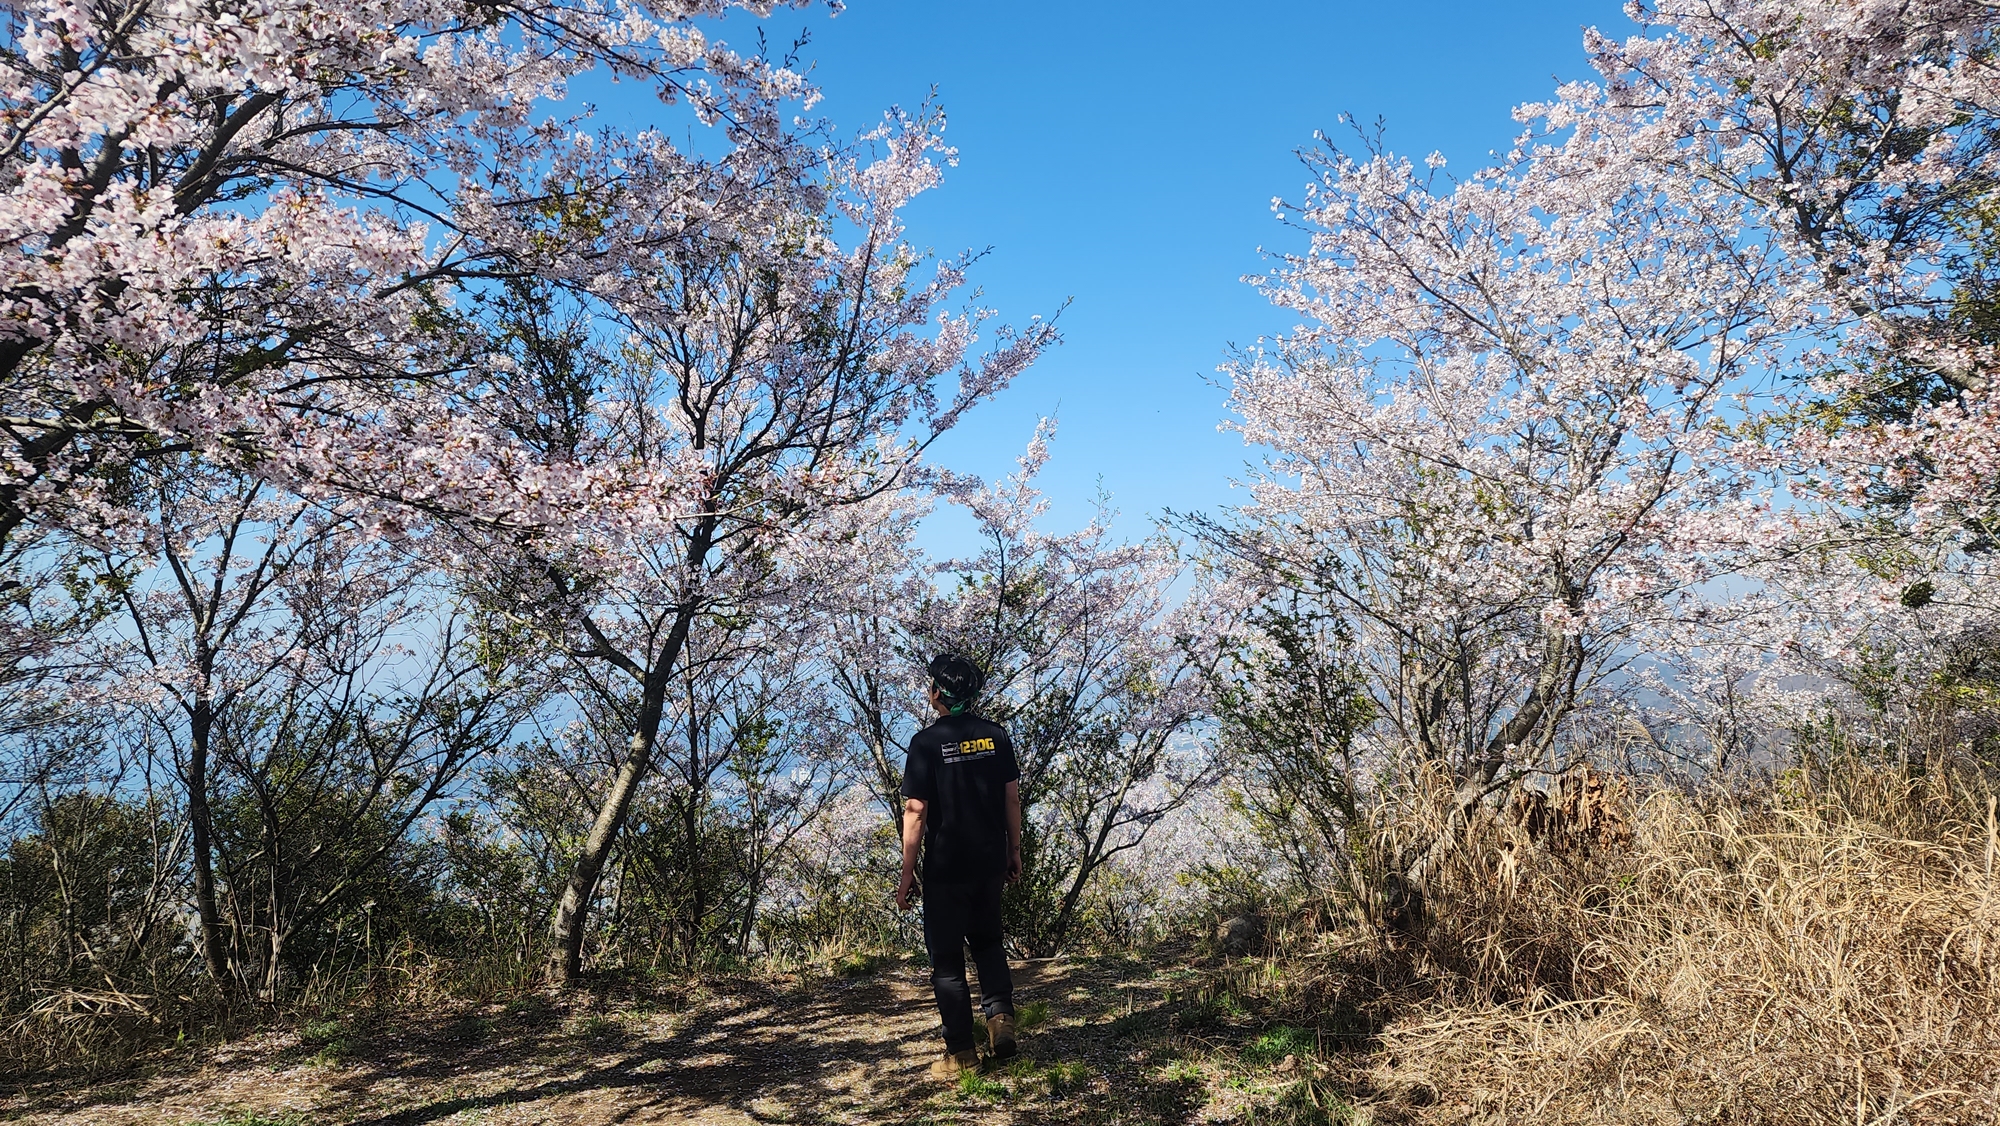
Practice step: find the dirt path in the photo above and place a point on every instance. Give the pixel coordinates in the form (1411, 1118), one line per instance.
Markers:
(826, 1051)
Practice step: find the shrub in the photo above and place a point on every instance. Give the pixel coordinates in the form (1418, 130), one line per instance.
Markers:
(1821, 949)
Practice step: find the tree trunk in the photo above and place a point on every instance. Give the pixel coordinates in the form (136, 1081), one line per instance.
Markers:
(1546, 705)
(567, 932)
(274, 893)
(213, 957)
(751, 896)
(269, 991)
(572, 915)
(1058, 932)
(1086, 866)
(691, 811)
(698, 901)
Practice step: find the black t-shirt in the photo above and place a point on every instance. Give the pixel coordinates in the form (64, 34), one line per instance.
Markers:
(959, 768)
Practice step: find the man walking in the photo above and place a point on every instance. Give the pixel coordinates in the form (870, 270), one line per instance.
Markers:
(962, 807)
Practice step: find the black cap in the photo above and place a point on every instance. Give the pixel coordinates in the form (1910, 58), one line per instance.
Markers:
(957, 679)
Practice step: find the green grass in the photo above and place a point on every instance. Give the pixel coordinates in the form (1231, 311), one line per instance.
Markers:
(1183, 1071)
(1058, 1078)
(1063, 1078)
(321, 1032)
(861, 963)
(1275, 1043)
(593, 1026)
(331, 1042)
(529, 1004)
(1308, 1102)
(1131, 1024)
(253, 1118)
(1209, 1012)
(973, 1085)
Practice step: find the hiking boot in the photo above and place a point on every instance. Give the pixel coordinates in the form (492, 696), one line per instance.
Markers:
(951, 1065)
(1000, 1035)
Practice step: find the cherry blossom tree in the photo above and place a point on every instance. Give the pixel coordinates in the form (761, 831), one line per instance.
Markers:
(1859, 141)
(1501, 441)
(1865, 136)
(875, 673)
(1864, 133)
(295, 670)
(1724, 311)
(320, 244)
(702, 429)
(1097, 662)
(236, 230)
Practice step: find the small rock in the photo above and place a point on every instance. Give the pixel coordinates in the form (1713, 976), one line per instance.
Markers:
(1243, 934)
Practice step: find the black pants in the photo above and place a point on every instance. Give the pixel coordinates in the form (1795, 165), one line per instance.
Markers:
(957, 916)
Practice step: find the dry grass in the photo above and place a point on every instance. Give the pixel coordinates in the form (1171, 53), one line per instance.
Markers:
(84, 1032)
(1828, 953)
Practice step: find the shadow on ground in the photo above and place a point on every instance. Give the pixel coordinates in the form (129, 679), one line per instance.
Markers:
(823, 1051)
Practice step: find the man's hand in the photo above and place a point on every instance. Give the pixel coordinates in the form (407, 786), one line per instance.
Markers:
(1014, 865)
(914, 810)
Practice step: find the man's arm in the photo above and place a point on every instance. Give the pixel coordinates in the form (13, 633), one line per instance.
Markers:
(913, 839)
(1013, 831)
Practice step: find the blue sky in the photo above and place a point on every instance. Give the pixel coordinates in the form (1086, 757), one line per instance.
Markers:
(1124, 156)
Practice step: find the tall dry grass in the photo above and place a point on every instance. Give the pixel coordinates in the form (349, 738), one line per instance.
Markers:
(1821, 952)
(100, 1031)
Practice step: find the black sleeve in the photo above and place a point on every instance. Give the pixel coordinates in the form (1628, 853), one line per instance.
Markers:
(1010, 770)
(919, 773)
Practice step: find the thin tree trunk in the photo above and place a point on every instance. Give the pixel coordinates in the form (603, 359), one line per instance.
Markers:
(751, 896)
(698, 903)
(1087, 865)
(691, 811)
(213, 957)
(274, 891)
(271, 971)
(573, 913)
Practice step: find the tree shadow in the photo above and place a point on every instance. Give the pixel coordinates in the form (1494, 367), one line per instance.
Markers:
(759, 1046)
(825, 1050)
(845, 1050)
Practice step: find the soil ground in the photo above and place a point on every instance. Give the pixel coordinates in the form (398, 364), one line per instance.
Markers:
(1119, 1041)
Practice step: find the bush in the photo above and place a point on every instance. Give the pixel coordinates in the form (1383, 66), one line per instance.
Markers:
(89, 945)
(1815, 950)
